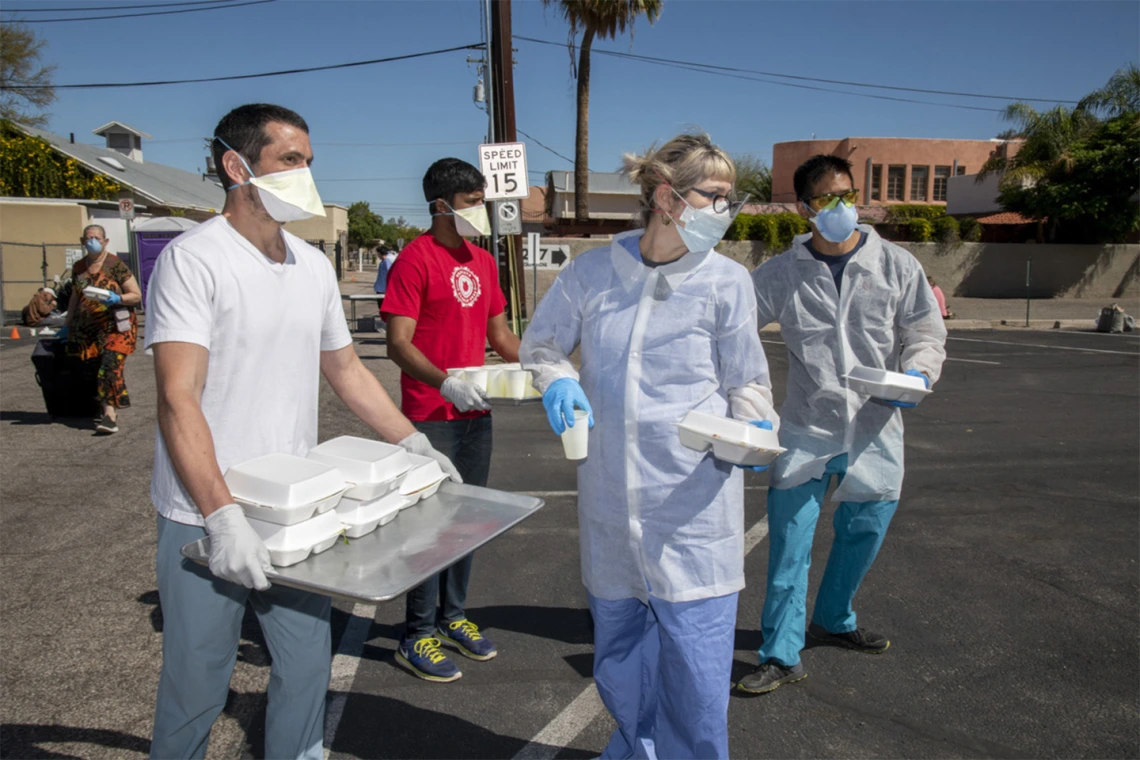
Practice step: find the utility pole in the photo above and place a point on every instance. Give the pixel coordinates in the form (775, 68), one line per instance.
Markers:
(502, 98)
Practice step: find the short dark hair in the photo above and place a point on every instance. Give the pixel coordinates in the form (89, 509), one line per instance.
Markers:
(243, 130)
(448, 177)
(813, 170)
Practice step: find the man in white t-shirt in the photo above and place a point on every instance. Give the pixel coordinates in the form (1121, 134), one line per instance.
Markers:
(243, 318)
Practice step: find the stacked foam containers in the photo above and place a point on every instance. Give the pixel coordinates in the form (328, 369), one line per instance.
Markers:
(500, 381)
(347, 485)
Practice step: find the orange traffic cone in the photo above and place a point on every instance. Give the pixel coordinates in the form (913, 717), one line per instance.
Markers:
(14, 335)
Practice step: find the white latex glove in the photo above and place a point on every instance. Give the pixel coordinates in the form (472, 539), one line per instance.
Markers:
(418, 443)
(466, 396)
(237, 553)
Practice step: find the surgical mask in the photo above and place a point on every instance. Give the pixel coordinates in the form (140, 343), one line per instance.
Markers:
(288, 196)
(704, 227)
(93, 245)
(470, 222)
(837, 223)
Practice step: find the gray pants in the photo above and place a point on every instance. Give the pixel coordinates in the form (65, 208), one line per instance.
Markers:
(201, 629)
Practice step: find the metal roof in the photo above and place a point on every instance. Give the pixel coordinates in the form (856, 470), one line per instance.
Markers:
(122, 128)
(601, 183)
(156, 184)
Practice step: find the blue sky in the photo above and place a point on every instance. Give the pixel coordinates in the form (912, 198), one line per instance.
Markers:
(412, 112)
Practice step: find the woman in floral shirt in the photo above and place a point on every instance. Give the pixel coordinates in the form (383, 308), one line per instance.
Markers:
(107, 328)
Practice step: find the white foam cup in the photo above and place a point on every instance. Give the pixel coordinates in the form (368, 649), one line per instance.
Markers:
(477, 376)
(496, 382)
(576, 439)
(517, 382)
(458, 372)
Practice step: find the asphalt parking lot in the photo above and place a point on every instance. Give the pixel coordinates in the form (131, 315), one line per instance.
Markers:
(1008, 585)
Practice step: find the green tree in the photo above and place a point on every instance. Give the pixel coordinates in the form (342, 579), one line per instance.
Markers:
(753, 176)
(603, 19)
(1120, 96)
(20, 66)
(365, 227)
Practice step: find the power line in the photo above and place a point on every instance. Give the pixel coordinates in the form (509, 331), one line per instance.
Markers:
(536, 141)
(108, 85)
(802, 78)
(149, 13)
(111, 7)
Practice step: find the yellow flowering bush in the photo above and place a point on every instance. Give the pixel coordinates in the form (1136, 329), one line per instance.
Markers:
(29, 168)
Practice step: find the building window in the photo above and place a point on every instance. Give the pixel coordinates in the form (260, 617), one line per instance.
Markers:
(961, 170)
(918, 175)
(896, 182)
(876, 182)
(941, 177)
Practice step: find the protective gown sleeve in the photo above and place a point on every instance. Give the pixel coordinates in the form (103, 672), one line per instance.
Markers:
(554, 332)
(920, 326)
(742, 364)
(762, 281)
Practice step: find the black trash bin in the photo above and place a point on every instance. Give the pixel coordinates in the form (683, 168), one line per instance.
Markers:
(68, 384)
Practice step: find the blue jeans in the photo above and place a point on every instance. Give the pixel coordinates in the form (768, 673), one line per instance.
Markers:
(792, 516)
(468, 444)
(664, 671)
(201, 627)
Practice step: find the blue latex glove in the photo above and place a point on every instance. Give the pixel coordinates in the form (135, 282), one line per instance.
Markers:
(560, 399)
(114, 299)
(763, 425)
(62, 334)
(907, 404)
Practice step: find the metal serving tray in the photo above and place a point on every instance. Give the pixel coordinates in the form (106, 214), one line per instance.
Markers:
(423, 540)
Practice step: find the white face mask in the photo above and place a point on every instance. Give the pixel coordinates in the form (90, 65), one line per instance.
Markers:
(470, 222)
(288, 196)
(704, 227)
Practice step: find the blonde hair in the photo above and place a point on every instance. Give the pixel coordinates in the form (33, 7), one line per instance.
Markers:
(683, 162)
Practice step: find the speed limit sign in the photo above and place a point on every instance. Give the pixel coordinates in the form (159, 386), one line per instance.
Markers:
(504, 166)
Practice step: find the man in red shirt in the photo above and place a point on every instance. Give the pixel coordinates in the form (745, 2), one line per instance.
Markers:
(443, 303)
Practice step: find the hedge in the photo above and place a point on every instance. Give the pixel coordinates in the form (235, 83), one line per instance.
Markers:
(970, 229)
(775, 231)
(917, 230)
(905, 212)
(946, 229)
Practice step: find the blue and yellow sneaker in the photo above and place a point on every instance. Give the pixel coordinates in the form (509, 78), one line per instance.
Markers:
(465, 635)
(425, 659)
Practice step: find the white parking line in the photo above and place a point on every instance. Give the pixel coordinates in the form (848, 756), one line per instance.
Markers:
(587, 706)
(1040, 345)
(344, 667)
(971, 361)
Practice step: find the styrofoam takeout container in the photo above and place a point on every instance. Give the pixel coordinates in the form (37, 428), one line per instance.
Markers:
(360, 518)
(886, 385)
(731, 440)
(372, 467)
(423, 480)
(285, 489)
(290, 544)
(99, 294)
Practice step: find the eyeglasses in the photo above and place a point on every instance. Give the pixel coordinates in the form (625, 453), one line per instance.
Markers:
(721, 203)
(831, 200)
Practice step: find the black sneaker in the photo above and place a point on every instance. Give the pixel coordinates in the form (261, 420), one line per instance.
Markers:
(769, 676)
(106, 425)
(861, 640)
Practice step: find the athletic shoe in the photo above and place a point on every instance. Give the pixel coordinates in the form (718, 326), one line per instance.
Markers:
(861, 640)
(465, 635)
(106, 425)
(769, 676)
(425, 659)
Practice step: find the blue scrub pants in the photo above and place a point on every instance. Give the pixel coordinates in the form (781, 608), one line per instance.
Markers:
(792, 516)
(201, 628)
(664, 671)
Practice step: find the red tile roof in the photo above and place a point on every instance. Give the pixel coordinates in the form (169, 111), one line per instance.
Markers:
(1006, 217)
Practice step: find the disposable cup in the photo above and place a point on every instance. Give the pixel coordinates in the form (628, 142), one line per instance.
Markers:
(478, 377)
(457, 372)
(496, 382)
(576, 439)
(517, 382)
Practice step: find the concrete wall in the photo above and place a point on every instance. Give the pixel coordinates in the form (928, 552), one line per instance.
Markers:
(884, 151)
(58, 224)
(327, 228)
(601, 206)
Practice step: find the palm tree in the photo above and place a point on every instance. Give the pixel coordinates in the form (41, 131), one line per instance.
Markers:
(594, 18)
(1120, 96)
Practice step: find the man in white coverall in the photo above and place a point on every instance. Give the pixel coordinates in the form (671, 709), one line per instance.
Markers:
(844, 298)
(243, 318)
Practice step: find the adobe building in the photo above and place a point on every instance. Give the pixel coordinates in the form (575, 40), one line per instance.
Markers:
(888, 170)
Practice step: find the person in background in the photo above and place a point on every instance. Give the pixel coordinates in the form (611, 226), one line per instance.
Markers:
(385, 266)
(103, 327)
(940, 297)
(41, 311)
(844, 298)
(443, 304)
(666, 326)
(244, 319)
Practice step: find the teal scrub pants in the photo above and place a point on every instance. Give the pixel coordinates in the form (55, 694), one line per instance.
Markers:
(792, 516)
(201, 629)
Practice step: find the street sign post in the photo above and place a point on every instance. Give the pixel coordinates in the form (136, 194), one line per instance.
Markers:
(504, 166)
(126, 208)
(510, 220)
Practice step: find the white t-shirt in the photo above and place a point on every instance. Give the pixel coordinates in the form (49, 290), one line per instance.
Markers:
(265, 326)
